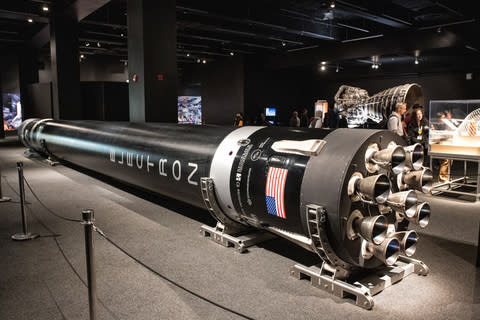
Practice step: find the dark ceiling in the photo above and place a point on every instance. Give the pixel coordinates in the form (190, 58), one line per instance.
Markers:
(353, 34)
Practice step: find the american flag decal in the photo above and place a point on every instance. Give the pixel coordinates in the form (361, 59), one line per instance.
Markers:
(275, 190)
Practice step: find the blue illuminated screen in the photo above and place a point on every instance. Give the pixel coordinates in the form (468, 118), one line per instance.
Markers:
(270, 112)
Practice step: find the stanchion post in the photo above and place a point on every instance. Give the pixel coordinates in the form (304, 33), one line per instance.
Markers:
(88, 219)
(2, 198)
(25, 235)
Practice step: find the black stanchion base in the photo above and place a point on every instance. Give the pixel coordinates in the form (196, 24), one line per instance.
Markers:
(24, 236)
(5, 199)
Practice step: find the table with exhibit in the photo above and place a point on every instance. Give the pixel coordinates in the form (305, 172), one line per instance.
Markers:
(455, 135)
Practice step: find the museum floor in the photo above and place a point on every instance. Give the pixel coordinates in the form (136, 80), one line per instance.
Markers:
(196, 278)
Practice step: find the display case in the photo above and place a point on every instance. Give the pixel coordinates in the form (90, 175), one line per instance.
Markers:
(454, 128)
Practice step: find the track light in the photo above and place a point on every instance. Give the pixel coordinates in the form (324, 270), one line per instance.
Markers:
(204, 61)
(45, 8)
(188, 54)
(324, 62)
(82, 56)
(337, 70)
(232, 53)
(283, 44)
(416, 60)
(332, 4)
(98, 44)
(30, 20)
(198, 60)
(323, 68)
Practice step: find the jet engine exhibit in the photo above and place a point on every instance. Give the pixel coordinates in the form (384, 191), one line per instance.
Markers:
(362, 110)
(347, 195)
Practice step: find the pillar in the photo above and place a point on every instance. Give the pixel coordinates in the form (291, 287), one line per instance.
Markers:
(152, 61)
(65, 64)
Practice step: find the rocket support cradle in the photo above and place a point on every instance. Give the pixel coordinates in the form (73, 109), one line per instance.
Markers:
(344, 194)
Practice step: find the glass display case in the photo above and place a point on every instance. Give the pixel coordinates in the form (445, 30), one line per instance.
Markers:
(454, 128)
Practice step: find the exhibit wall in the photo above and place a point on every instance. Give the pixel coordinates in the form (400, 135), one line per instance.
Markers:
(107, 101)
(287, 90)
(294, 90)
(93, 69)
(223, 85)
(40, 97)
(9, 75)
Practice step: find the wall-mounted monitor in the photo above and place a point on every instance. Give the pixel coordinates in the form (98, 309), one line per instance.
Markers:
(270, 112)
(190, 109)
(12, 111)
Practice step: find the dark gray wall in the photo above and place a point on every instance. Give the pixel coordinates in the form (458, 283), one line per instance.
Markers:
(223, 84)
(105, 101)
(40, 97)
(9, 74)
(93, 68)
(109, 69)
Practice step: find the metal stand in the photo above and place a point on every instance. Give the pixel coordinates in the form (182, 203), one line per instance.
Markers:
(239, 242)
(88, 219)
(463, 182)
(51, 161)
(362, 290)
(25, 235)
(228, 232)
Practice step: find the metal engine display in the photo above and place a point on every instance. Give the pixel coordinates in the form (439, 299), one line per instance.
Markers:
(361, 109)
(348, 195)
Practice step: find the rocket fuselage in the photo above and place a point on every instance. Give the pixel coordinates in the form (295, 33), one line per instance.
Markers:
(264, 176)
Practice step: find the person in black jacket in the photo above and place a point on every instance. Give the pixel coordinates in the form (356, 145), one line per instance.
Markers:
(417, 128)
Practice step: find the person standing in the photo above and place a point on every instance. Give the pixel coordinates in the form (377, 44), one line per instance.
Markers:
(395, 120)
(417, 128)
(304, 118)
(238, 121)
(294, 120)
(408, 117)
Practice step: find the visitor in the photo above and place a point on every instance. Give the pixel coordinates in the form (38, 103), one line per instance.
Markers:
(238, 121)
(395, 120)
(304, 118)
(294, 120)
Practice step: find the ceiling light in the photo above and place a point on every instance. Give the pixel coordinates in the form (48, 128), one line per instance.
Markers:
(87, 44)
(30, 20)
(416, 60)
(204, 61)
(283, 43)
(324, 62)
(188, 54)
(198, 61)
(332, 4)
(82, 56)
(338, 69)
(232, 53)
(323, 68)
(98, 44)
(127, 81)
(45, 8)
(121, 34)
